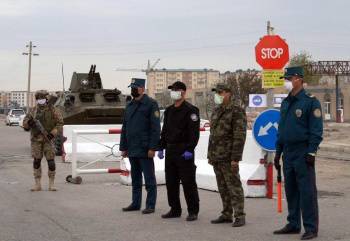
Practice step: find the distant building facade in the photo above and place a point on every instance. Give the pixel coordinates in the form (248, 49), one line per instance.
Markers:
(325, 92)
(15, 99)
(198, 82)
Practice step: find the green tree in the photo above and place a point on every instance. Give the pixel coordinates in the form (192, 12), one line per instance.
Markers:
(301, 59)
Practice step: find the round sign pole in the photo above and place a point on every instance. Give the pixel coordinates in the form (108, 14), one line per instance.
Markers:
(269, 154)
(271, 53)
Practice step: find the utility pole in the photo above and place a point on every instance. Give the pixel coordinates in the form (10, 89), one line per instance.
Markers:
(270, 31)
(29, 53)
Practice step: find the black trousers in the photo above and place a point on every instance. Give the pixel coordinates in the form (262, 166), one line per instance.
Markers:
(178, 169)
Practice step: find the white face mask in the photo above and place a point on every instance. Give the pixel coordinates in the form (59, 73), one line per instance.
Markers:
(218, 99)
(175, 95)
(41, 101)
(288, 85)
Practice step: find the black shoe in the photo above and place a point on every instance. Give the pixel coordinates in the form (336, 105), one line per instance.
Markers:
(239, 222)
(308, 235)
(130, 208)
(287, 230)
(221, 219)
(192, 217)
(148, 211)
(172, 214)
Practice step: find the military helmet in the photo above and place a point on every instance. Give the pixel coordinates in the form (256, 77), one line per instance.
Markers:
(41, 94)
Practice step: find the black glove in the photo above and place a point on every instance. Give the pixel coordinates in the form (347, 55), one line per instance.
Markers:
(310, 160)
(50, 136)
(276, 161)
(31, 122)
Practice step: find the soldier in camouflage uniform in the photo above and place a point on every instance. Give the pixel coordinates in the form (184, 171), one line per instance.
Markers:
(227, 137)
(52, 121)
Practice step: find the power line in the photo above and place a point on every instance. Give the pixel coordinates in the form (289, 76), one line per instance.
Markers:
(156, 51)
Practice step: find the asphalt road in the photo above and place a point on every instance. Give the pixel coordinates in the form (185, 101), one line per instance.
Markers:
(92, 211)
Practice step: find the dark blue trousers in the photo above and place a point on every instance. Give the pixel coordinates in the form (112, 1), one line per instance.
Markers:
(300, 187)
(143, 166)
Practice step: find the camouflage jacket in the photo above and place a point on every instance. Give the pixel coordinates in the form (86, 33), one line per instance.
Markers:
(49, 117)
(228, 126)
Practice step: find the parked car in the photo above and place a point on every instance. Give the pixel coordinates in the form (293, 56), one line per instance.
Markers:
(14, 116)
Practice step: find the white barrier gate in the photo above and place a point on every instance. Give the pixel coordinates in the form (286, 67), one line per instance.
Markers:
(252, 167)
(76, 171)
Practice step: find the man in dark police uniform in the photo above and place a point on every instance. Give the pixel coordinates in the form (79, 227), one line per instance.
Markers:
(299, 135)
(139, 141)
(179, 137)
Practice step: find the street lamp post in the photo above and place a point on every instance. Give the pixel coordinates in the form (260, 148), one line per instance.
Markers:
(29, 53)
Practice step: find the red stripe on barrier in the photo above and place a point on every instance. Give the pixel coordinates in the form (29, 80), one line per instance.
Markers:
(125, 173)
(118, 170)
(256, 182)
(114, 170)
(114, 131)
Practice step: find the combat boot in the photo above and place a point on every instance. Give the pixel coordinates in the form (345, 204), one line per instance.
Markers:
(239, 222)
(221, 219)
(37, 178)
(52, 180)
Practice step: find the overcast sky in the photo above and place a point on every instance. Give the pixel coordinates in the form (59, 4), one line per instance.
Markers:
(113, 34)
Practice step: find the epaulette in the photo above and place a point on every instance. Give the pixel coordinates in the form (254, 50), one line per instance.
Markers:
(189, 105)
(310, 95)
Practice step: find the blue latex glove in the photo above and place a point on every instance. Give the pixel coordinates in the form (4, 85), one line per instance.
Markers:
(187, 155)
(161, 154)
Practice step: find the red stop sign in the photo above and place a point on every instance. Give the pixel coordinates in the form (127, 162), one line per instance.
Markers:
(272, 52)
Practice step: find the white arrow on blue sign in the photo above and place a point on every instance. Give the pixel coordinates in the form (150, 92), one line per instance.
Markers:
(265, 129)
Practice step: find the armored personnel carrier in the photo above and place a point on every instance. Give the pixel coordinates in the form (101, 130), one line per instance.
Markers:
(87, 102)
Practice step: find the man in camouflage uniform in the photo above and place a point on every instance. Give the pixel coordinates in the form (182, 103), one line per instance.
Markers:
(227, 137)
(52, 121)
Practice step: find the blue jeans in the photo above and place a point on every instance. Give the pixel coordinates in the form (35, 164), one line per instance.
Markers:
(143, 166)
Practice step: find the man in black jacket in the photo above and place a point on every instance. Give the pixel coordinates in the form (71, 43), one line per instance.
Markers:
(179, 137)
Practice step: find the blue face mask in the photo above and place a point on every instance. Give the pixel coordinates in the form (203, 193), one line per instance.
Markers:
(175, 95)
(218, 99)
(288, 85)
(41, 101)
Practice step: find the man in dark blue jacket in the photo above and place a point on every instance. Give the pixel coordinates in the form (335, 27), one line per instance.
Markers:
(299, 135)
(139, 141)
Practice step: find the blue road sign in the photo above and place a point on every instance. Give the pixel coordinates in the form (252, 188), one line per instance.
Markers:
(265, 129)
(257, 100)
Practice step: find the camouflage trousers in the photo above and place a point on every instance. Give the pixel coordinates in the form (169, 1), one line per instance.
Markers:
(230, 189)
(41, 148)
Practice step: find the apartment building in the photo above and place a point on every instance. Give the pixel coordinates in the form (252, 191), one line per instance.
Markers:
(198, 82)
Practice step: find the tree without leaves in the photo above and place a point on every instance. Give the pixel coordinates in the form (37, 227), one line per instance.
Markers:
(301, 59)
(243, 83)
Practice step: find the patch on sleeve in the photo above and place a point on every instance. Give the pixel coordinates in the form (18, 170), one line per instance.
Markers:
(156, 114)
(194, 117)
(317, 113)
